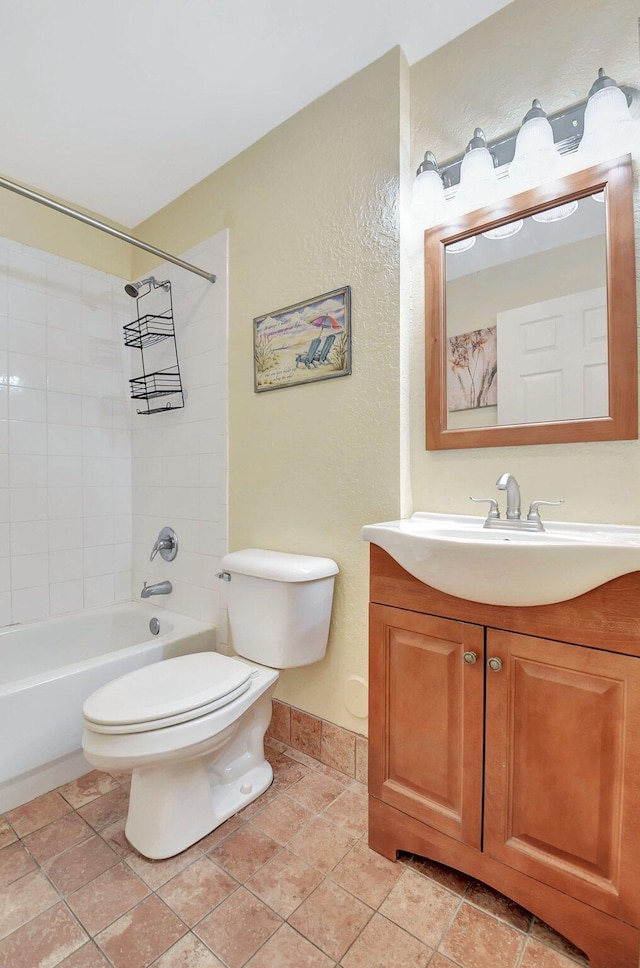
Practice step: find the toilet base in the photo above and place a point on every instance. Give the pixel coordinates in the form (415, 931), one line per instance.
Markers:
(175, 803)
(187, 807)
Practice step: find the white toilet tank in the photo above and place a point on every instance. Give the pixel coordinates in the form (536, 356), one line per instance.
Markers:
(279, 606)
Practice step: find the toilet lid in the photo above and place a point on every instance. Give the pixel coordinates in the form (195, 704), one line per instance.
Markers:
(174, 689)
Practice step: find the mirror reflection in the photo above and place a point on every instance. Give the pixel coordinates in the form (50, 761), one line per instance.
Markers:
(526, 319)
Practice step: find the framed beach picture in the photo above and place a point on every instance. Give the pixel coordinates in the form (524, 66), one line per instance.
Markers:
(472, 366)
(303, 343)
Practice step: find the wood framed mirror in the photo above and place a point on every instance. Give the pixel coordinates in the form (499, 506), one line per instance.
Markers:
(531, 317)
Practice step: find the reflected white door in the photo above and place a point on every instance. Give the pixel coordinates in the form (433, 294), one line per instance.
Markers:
(552, 359)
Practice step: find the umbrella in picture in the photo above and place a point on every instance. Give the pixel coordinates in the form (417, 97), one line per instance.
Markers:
(327, 322)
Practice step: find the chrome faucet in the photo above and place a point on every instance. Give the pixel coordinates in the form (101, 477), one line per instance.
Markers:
(508, 483)
(533, 522)
(160, 588)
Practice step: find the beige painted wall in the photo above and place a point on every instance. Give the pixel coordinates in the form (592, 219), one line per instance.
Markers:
(311, 207)
(488, 77)
(34, 224)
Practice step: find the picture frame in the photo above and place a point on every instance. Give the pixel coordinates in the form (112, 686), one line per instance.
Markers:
(303, 343)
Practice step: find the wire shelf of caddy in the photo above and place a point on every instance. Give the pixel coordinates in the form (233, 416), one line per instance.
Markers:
(146, 333)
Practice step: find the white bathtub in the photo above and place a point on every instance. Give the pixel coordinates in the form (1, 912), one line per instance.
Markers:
(47, 670)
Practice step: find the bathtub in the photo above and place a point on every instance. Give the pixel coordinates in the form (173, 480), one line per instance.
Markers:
(47, 670)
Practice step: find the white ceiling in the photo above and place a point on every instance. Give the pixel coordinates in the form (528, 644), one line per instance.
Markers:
(121, 105)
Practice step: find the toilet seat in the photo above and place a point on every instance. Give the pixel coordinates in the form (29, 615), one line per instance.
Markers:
(165, 693)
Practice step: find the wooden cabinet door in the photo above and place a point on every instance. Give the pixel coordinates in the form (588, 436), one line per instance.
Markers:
(562, 780)
(426, 719)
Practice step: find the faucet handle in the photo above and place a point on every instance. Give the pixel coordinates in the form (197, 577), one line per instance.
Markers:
(534, 514)
(166, 544)
(494, 511)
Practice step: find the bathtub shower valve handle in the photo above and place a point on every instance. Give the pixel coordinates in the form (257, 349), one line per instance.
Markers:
(167, 545)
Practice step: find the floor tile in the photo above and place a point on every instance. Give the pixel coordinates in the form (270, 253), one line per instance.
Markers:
(537, 955)
(322, 844)
(88, 787)
(383, 944)
(115, 836)
(25, 899)
(282, 819)
(284, 882)
(237, 928)
(244, 852)
(501, 907)
(57, 837)
(88, 956)
(446, 876)
(221, 832)
(44, 941)
(189, 952)
(543, 932)
(158, 872)
(287, 949)
(106, 898)
(286, 772)
(350, 811)
(7, 833)
(366, 874)
(316, 791)
(421, 907)
(106, 809)
(80, 864)
(15, 862)
(139, 937)
(476, 940)
(37, 813)
(196, 890)
(331, 919)
(290, 882)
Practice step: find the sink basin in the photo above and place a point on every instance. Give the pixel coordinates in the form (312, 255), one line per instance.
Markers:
(456, 555)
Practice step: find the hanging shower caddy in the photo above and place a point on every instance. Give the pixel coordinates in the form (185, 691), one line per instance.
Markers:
(153, 333)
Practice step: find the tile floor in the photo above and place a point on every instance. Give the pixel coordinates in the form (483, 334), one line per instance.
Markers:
(289, 883)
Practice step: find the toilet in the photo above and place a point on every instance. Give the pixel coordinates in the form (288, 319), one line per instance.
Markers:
(191, 729)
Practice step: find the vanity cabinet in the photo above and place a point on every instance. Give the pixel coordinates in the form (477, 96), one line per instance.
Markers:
(505, 742)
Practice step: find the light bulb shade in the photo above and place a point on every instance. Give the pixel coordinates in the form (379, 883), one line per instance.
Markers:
(536, 158)
(462, 246)
(428, 203)
(478, 179)
(557, 213)
(504, 231)
(609, 129)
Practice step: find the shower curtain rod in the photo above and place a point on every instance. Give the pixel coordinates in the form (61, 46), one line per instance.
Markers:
(96, 224)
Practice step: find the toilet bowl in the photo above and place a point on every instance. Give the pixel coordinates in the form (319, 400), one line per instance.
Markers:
(191, 729)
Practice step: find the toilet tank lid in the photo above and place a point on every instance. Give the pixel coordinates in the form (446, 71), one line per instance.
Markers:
(278, 565)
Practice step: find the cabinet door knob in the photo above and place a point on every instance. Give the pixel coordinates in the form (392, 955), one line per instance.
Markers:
(495, 664)
(470, 658)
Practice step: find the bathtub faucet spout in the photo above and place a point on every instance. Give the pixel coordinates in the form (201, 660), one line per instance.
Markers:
(160, 588)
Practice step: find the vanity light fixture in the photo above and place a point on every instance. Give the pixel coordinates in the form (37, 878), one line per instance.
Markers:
(478, 179)
(599, 127)
(536, 158)
(609, 129)
(428, 203)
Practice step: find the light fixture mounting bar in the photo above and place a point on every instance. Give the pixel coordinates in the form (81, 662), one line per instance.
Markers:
(567, 125)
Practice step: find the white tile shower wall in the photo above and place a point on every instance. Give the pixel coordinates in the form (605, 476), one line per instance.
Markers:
(65, 437)
(180, 457)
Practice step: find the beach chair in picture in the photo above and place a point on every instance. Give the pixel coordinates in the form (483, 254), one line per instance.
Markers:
(307, 358)
(321, 355)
